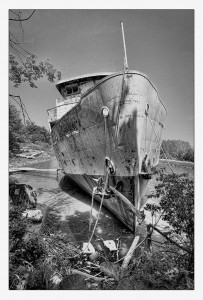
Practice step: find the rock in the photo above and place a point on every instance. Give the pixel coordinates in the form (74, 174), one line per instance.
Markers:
(22, 194)
(34, 215)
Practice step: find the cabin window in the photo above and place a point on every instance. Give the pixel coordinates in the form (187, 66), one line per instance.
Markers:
(70, 89)
(75, 88)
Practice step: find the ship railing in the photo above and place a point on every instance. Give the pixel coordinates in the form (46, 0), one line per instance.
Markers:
(55, 113)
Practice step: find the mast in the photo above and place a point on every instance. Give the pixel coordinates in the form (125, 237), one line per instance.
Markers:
(124, 46)
(136, 185)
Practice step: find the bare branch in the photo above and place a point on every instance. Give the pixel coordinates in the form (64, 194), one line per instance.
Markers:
(13, 36)
(19, 20)
(18, 53)
(14, 12)
(22, 30)
(173, 242)
(18, 45)
(21, 105)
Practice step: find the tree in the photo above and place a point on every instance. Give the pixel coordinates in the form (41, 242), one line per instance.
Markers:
(37, 133)
(19, 133)
(189, 155)
(24, 66)
(177, 149)
(15, 129)
(176, 205)
(30, 71)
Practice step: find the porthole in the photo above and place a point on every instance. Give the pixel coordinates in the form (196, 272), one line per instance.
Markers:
(147, 108)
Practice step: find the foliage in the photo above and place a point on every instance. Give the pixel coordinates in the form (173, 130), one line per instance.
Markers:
(17, 227)
(159, 271)
(19, 133)
(189, 155)
(72, 282)
(176, 204)
(37, 133)
(30, 71)
(38, 258)
(21, 251)
(177, 149)
(34, 261)
(15, 129)
(110, 269)
(24, 67)
(176, 193)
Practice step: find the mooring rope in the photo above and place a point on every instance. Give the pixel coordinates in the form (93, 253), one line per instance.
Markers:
(101, 203)
(92, 203)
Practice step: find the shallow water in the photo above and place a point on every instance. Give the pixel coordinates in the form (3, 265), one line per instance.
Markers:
(68, 207)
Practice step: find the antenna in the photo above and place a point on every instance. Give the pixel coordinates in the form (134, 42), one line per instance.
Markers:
(125, 54)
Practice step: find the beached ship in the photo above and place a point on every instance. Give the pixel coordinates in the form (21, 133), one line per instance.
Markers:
(106, 131)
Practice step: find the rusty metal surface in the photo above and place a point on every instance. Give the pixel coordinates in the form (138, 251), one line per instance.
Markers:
(82, 143)
(114, 203)
(79, 136)
(62, 107)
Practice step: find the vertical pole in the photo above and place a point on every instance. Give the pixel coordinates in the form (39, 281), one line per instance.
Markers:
(124, 46)
(136, 197)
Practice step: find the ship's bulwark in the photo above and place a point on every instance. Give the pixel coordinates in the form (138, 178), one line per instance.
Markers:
(82, 143)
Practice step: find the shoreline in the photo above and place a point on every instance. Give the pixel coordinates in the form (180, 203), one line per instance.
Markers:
(17, 162)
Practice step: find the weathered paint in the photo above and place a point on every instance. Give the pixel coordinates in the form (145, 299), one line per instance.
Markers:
(81, 142)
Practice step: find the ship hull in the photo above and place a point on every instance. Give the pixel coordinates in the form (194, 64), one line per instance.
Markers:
(83, 138)
(113, 202)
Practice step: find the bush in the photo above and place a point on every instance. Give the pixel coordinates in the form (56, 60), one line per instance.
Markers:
(21, 252)
(176, 204)
(159, 271)
(37, 133)
(15, 129)
(177, 149)
(19, 133)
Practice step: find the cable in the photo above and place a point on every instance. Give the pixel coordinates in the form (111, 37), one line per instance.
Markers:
(160, 144)
(92, 202)
(25, 19)
(95, 225)
(13, 97)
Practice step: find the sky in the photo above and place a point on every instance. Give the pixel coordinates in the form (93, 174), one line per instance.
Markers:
(160, 43)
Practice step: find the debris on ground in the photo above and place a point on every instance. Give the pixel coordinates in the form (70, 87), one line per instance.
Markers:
(33, 215)
(30, 154)
(110, 244)
(88, 248)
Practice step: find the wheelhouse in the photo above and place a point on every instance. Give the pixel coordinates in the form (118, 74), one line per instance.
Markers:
(71, 91)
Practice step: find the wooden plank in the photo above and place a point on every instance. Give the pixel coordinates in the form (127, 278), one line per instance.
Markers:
(130, 253)
(125, 200)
